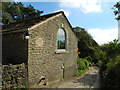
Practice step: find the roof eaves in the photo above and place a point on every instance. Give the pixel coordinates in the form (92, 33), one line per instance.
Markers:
(14, 31)
(40, 19)
(32, 27)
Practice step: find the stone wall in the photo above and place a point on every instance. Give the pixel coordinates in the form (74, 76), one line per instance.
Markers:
(14, 48)
(14, 76)
(43, 59)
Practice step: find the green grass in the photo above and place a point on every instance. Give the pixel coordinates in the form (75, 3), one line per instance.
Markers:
(83, 66)
(80, 72)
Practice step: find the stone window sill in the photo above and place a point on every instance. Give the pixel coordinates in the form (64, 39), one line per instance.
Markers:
(61, 51)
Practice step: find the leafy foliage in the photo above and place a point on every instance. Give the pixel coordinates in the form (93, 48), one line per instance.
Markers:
(83, 65)
(89, 59)
(111, 77)
(111, 65)
(12, 11)
(112, 49)
(99, 63)
(116, 11)
(87, 45)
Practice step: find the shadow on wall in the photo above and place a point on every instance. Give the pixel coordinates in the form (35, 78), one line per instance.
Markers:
(14, 49)
(14, 60)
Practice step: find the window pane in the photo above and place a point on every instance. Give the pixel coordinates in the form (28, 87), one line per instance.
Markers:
(61, 39)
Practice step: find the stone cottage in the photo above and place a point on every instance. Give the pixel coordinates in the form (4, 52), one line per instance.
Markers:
(45, 44)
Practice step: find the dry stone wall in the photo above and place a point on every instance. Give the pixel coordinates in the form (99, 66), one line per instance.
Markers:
(14, 76)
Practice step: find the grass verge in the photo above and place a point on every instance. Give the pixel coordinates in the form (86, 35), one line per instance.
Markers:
(81, 72)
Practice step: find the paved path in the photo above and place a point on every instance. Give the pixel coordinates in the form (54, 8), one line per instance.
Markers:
(89, 80)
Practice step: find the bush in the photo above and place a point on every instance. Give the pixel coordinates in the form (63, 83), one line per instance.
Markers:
(82, 64)
(99, 63)
(112, 63)
(80, 72)
(111, 76)
(110, 69)
(88, 59)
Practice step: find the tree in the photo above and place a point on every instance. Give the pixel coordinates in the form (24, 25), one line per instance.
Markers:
(116, 10)
(111, 67)
(112, 49)
(12, 11)
(87, 45)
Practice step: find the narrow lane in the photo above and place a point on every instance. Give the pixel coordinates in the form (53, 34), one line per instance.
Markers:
(89, 80)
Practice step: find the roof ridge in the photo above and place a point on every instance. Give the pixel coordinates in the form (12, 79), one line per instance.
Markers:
(24, 23)
(55, 13)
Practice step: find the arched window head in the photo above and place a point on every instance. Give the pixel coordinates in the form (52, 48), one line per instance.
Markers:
(61, 39)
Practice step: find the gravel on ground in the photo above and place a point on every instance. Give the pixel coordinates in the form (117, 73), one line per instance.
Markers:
(88, 80)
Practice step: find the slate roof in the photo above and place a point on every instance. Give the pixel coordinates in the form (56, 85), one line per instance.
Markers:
(23, 25)
(26, 23)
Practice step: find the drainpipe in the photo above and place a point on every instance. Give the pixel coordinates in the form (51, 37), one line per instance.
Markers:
(63, 67)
